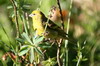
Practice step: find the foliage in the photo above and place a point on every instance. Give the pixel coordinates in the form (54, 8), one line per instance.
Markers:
(30, 49)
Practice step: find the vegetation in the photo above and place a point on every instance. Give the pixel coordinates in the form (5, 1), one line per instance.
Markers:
(19, 45)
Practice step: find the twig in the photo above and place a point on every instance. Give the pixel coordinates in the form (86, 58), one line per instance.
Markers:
(17, 29)
(59, 44)
(46, 25)
(62, 21)
(16, 18)
(58, 53)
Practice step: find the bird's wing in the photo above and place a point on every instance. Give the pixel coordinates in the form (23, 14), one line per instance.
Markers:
(56, 28)
(51, 25)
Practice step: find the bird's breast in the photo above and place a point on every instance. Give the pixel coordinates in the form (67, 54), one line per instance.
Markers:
(38, 27)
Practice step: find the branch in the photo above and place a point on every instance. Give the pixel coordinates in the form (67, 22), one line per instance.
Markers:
(62, 21)
(59, 44)
(58, 53)
(16, 18)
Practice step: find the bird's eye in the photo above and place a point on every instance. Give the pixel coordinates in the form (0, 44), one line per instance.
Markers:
(33, 14)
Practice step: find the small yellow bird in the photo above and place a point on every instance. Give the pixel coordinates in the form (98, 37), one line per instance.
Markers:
(52, 31)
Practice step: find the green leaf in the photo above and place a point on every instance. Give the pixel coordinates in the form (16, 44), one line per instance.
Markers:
(24, 49)
(27, 38)
(31, 56)
(25, 25)
(20, 40)
(84, 59)
(75, 60)
(49, 62)
(9, 7)
(44, 45)
(38, 50)
(37, 40)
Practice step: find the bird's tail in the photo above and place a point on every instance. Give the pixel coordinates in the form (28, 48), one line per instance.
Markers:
(71, 40)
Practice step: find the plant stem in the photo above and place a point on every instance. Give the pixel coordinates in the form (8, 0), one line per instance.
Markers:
(61, 40)
(17, 29)
(58, 53)
(16, 18)
(66, 41)
(79, 59)
(93, 53)
(62, 21)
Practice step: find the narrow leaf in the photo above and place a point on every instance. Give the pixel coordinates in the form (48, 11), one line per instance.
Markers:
(38, 51)
(31, 56)
(44, 45)
(38, 39)
(20, 40)
(24, 49)
(26, 37)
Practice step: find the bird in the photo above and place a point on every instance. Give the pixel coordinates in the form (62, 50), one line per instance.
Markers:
(45, 27)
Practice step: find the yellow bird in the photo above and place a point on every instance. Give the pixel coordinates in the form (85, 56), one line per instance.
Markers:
(52, 30)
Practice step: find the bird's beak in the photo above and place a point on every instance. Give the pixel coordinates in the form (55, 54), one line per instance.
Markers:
(31, 15)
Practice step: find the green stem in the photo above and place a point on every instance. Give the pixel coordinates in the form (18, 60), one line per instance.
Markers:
(16, 18)
(66, 41)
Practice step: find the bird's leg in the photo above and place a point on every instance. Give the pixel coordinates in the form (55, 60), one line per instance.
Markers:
(45, 33)
(46, 40)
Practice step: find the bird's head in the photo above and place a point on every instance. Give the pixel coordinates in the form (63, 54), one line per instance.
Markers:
(36, 14)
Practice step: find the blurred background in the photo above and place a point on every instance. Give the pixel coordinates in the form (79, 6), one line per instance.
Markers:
(84, 26)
